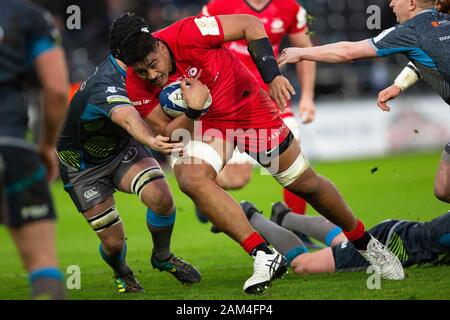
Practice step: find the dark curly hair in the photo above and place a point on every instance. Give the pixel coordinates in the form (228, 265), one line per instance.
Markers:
(444, 5)
(130, 39)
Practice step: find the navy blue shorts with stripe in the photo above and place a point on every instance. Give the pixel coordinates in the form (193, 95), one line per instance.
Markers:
(25, 192)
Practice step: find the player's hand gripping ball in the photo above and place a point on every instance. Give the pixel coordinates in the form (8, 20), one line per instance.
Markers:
(172, 101)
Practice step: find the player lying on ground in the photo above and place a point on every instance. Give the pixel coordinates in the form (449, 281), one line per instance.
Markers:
(423, 36)
(101, 150)
(414, 243)
(241, 115)
(281, 18)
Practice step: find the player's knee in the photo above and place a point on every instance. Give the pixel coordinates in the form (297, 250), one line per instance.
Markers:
(158, 198)
(307, 185)
(234, 181)
(192, 182)
(442, 192)
(113, 245)
(164, 206)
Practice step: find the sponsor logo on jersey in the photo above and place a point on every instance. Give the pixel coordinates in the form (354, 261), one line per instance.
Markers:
(192, 71)
(141, 102)
(277, 26)
(34, 212)
(111, 90)
(91, 194)
(207, 26)
(440, 23)
(130, 155)
(302, 18)
(118, 98)
(445, 38)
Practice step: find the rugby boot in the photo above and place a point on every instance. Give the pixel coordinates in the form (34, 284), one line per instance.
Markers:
(380, 257)
(180, 269)
(127, 283)
(266, 268)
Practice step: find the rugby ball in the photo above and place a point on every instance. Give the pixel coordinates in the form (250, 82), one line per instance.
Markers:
(172, 101)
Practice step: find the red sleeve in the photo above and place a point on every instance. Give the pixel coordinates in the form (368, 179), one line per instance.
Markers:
(299, 22)
(212, 8)
(142, 94)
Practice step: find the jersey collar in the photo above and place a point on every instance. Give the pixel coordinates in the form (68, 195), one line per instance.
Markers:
(254, 9)
(118, 68)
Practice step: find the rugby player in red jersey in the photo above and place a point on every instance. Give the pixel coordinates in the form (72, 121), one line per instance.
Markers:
(242, 115)
(280, 18)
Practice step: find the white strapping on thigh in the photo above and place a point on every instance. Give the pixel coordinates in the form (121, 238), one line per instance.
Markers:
(200, 150)
(296, 169)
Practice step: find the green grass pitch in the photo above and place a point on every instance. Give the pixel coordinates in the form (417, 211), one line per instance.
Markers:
(402, 187)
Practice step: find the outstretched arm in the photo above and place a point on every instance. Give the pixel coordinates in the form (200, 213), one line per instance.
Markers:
(306, 74)
(338, 52)
(128, 118)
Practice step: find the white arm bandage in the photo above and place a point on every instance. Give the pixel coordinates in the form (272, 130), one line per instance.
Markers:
(409, 76)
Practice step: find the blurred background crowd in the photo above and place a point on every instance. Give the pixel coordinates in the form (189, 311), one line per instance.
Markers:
(329, 21)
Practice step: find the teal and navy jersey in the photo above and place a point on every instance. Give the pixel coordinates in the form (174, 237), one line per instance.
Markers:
(414, 243)
(425, 40)
(26, 32)
(89, 136)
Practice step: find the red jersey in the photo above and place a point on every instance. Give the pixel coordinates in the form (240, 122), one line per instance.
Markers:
(237, 100)
(280, 17)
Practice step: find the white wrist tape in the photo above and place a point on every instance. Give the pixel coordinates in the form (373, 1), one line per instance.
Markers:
(409, 76)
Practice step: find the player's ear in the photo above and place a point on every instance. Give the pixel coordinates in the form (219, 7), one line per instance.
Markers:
(161, 46)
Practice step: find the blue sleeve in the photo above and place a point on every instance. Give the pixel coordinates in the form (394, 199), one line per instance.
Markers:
(43, 34)
(104, 99)
(401, 39)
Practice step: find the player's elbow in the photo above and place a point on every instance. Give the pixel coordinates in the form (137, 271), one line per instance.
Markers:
(253, 25)
(253, 20)
(58, 92)
(347, 54)
(58, 95)
(442, 192)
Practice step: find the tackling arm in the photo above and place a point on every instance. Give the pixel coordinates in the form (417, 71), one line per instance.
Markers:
(339, 52)
(129, 119)
(306, 73)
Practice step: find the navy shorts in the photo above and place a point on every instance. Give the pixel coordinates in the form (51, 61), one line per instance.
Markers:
(92, 186)
(25, 195)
